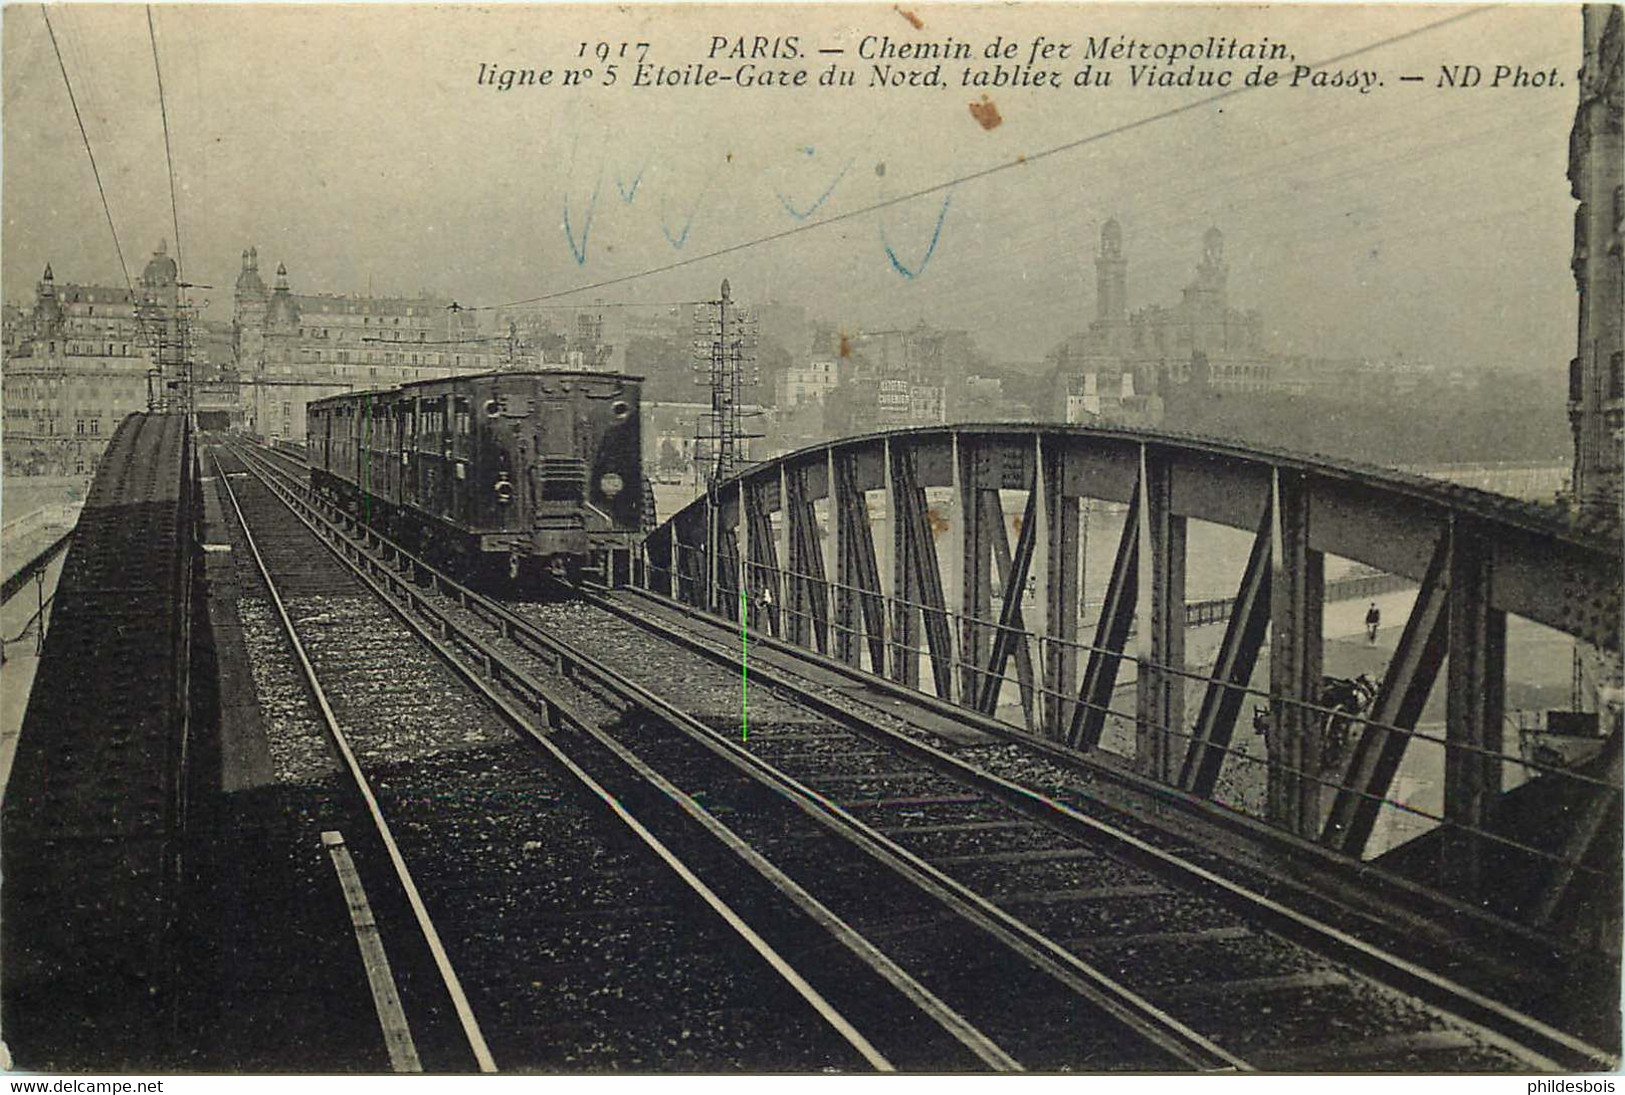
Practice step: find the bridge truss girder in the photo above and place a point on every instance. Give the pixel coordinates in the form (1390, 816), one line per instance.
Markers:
(1477, 558)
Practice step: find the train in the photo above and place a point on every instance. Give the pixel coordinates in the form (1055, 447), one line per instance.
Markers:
(515, 474)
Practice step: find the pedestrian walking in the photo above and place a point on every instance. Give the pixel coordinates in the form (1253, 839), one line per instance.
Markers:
(1373, 620)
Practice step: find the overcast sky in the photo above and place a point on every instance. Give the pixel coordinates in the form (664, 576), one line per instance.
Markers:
(354, 144)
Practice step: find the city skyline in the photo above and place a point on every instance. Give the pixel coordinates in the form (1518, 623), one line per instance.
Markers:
(1435, 226)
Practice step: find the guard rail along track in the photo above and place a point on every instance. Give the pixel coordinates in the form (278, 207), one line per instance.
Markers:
(936, 814)
(95, 817)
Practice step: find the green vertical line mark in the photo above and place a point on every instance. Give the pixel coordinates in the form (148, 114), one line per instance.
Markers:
(744, 672)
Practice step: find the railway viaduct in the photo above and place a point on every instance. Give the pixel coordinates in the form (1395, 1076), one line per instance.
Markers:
(938, 571)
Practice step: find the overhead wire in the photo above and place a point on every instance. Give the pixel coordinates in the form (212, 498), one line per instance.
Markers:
(589, 306)
(95, 171)
(1131, 199)
(169, 156)
(1064, 285)
(180, 319)
(1312, 161)
(1172, 211)
(971, 176)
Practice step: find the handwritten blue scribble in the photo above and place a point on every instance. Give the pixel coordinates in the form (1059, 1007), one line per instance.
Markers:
(580, 251)
(803, 214)
(930, 250)
(628, 195)
(681, 238)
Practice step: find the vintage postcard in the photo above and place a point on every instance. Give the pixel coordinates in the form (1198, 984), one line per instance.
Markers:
(811, 538)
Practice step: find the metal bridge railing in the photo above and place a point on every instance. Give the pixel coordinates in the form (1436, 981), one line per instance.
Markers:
(777, 610)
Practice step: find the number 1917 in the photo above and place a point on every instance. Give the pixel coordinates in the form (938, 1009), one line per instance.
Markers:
(605, 50)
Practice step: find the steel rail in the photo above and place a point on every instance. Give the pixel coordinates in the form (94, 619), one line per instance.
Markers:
(560, 713)
(1045, 808)
(1127, 1006)
(1412, 975)
(1134, 1011)
(1071, 757)
(448, 975)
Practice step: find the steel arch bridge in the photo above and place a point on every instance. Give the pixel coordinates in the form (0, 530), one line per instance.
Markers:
(791, 545)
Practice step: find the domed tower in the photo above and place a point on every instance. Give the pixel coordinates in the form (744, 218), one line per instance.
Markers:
(1207, 300)
(248, 278)
(1211, 272)
(284, 312)
(1111, 277)
(160, 281)
(248, 314)
(47, 308)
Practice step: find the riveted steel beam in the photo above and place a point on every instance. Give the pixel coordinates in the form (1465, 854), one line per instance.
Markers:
(1297, 592)
(1475, 703)
(780, 589)
(1547, 570)
(1010, 638)
(1160, 692)
(809, 588)
(761, 577)
(829, 542)
(688, 540)
(861, 609)
(1061, 583)
(905, 599)
(1111, 635)
(1589, 823)
(1232, 669)
(727, 573)
(924, 575)
(1400, 698)
(976, 561)
(660, 562)
(847, 634)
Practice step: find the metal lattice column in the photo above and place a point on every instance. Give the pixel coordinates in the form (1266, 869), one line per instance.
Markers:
(1160, 693)
(1297, 587)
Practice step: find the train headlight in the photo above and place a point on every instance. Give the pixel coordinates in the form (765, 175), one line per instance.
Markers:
(611, 485)
(504, 490)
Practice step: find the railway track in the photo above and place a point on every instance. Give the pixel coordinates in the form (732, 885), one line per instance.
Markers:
(987, 883)
(917, 963)
(554, 940)
(1273, 984)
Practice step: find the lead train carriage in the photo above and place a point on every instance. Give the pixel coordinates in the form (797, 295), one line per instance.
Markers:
(515, 471)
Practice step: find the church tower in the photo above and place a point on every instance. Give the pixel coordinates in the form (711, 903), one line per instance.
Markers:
(248, 315)
(1207, 299)
(1111, 277)
(47, 308)
(1212, 275)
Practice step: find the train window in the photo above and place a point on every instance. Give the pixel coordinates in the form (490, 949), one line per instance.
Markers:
(461, 423)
